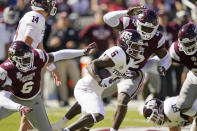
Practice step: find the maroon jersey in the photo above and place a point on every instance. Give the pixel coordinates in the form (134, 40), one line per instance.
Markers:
(190, 61)
(150, 46)
(24, 85)
(103, 35)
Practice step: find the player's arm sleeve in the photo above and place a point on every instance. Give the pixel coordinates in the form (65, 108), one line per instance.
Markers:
(166, 61)
(161, 41)
(173, 53)
(4, 79)
(43, 57)
(7, 103)
(113, 18)
(151, 66)
(66, 54)
(116, 55)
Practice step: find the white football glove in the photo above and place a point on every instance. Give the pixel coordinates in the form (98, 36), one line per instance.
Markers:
(107, 82)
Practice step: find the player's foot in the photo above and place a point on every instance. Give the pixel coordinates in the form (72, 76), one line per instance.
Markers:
(59, 125)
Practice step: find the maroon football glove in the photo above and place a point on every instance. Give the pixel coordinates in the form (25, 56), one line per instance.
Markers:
(90, 49)
(24, 110)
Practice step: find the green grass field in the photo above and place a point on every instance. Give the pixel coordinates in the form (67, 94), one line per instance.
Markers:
(133, 118)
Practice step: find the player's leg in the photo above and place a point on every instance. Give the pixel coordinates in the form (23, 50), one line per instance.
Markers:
(73, 111)
(92, 107)
(7, 105)
(37, 117)
(121, 110)
(127, 89)
(25, 125)
(188, 95)
(86, 121)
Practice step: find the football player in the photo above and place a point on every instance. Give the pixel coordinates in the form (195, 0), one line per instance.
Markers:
(20, 75)
(167, 113)
(31, 30)
(145, 21)
(116, 61)
(184, 51)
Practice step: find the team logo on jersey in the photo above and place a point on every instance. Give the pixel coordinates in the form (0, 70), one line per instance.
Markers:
(193, 58)
(7, 63)
(27, 77)
(18, 75)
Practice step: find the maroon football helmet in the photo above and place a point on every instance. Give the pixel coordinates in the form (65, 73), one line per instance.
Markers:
(154, 111)
(21, 55)
(147, 24)
(130, 40)
(46, 5)
(187, 37)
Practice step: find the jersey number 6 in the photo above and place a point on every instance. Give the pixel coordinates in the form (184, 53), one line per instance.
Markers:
(27, 87)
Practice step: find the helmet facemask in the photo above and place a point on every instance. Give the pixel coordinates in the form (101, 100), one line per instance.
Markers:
(146, 30)
(45, 5)
(156, 117)
(23, 59)
(154, 111)
(24, 63)
(189, 46)
(53, 9)
(134, 48)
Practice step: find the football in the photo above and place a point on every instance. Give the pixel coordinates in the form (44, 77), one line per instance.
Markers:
(104, 73)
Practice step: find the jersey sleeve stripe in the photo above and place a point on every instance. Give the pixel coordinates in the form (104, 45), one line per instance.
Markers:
(126, 21)
(161, 42)
(173, 53)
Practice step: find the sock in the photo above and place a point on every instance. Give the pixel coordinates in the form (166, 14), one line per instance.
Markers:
(66, 129)
(111, 129)
(65, 119)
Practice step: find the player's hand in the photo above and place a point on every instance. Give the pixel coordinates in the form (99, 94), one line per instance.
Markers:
(24, 110)
(135, 10)
(107, 82)
(56, 77)
(129, 74)
(161, 70)
(90, 49)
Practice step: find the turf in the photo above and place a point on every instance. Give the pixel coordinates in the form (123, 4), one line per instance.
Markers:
(133, 118)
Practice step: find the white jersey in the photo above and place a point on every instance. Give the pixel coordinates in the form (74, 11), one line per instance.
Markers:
(173, 113)
(118, 56)
(32, 24)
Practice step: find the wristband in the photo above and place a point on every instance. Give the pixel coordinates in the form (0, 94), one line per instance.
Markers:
(51, 67)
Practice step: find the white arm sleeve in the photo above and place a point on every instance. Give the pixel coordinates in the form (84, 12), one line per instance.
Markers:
(151, 66)
(173, 53)
(112, 18)
(67, 54)
(7, 103)
(165, 61)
